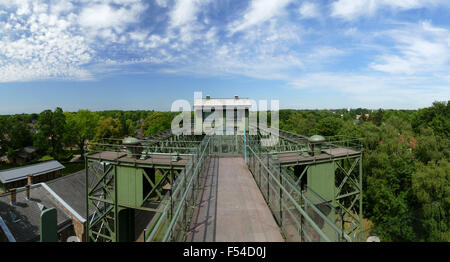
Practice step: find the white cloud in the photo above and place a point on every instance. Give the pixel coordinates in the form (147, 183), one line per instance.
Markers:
(162, 3)
(352, 9)
(185, 11)
(105, 16)
(259, 12)
(374, 90)
(309, 10)
(184, 20)
(55, 39)
(419, 48)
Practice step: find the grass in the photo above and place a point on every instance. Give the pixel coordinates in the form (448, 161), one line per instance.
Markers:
(72, 167)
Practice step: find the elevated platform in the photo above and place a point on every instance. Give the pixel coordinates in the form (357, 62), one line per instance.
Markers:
(151, 160)
(327, 154)
(231, 207)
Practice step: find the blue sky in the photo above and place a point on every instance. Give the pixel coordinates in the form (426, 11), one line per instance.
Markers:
(134, 54)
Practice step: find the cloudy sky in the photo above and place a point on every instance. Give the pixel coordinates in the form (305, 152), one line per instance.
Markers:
(133, 54)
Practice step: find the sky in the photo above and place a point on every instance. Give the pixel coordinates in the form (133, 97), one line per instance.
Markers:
(136, 54)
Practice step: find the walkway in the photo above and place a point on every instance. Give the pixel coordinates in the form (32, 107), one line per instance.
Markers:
(231, 207)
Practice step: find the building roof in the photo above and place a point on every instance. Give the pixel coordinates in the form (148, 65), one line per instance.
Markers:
(19, 173)
(24, 217)
(216, 102)
(72, 189)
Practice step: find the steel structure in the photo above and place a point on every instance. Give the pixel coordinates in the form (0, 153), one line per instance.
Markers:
(119, 185)
(333, 177)
(313, 195)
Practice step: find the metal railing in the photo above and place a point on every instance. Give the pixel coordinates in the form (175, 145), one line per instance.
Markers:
(178, 204)
(299, 217)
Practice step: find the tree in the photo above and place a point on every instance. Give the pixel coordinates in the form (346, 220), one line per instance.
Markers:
(51, 126)
(329, 126)
(108, 127)
(435, 117)
(431, 187)
(130, 128)
(20, 134)
(377, 117)
(156, 123)
(431, 147)
(80, 127)
(4, 127)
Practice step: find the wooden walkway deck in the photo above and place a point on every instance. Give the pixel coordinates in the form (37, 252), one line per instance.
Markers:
(231, 208)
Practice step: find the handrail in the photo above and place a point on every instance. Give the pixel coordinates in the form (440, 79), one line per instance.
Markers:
(183, 199)
(297, 206)
(177, 186)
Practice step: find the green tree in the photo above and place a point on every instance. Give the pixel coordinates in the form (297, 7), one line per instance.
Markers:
(108, 127)
(19, 133)
(4, 127)
(51, 126)
(130, 128)
(377, 117)
(156, 123)
(431, 147)
(435, 117)
(80, 127)
(329, 126)
(431, 187)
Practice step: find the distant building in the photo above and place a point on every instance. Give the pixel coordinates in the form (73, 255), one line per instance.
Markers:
(240, 107)
(20, 176)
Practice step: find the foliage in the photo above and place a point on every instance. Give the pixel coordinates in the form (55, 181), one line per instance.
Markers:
(108, 127)
(156, 123)
(329, 126)
(80, 127)
(51, 126)
(436, 117)
(431, 189)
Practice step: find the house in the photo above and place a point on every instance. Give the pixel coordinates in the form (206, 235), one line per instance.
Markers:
(23, 155)
(20, 176)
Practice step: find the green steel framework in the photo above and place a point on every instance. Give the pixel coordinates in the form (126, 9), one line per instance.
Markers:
(103, 181)
(299, 215)
(347, 198)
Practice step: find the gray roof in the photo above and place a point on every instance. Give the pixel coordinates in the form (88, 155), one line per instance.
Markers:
(23, 218)
(19, 173)
(72, 190)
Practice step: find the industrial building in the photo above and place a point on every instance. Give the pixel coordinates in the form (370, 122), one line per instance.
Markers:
(226, 115)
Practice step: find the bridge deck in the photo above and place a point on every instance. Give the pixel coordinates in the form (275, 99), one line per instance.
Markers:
(231, 208)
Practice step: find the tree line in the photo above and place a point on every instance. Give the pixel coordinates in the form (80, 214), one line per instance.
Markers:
(55, 133)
